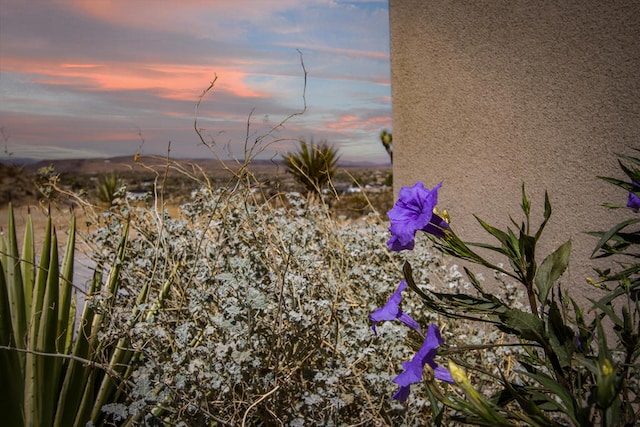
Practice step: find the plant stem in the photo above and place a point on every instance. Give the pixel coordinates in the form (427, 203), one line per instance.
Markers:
(532, 299)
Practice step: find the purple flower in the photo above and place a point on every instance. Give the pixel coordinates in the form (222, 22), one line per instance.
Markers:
(391, 311)
(634, 201)
(412, 212)
(413, 369)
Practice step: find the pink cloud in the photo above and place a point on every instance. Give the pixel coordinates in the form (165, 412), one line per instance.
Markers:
(346, 122)
(349, 122)
(176, 82)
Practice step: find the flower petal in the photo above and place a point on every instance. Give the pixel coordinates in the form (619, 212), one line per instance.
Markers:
(395, 244)
(402, 394)
(425, 356)
(633, 201)
(443, 374)
(408, 320)
(436, 226)
(391, 311)
(412, 211)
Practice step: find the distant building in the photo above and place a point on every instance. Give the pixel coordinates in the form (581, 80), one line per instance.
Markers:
(490, 94)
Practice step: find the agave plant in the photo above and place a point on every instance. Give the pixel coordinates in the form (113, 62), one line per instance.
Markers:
(52, 372)
(312, 165)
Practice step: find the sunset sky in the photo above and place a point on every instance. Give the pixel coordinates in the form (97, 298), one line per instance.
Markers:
(101, 78)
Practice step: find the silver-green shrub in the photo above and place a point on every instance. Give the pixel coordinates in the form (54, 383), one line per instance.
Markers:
(257, 313)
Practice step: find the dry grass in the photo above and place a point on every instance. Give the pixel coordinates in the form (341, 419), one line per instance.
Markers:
(175, 180)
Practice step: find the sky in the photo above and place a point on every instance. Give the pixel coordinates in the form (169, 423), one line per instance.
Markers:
(104, 78)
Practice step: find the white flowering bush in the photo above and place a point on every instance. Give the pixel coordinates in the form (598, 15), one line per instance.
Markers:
(255, 311)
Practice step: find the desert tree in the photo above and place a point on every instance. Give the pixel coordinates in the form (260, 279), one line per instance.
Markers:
(387, 140)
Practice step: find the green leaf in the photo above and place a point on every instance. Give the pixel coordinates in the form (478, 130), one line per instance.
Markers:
(28, 264)
(449, 304)
(76, 378)
(547, 215)
(568, 404)
(561, 336)
(498, 234)
(15, 285)
(629, 158)
(437, 409)
(606, 309)
(550, 271)
(48, 368)
(12, 389)
(486, 295)
(32, 397)
(312, 165)
(534, 415)
(514, 246)
(613, 231)
(526, 205)
(120, 356)
(528, 250)
(65, 333)
(471, 304)
(633, 174)
(527, 326)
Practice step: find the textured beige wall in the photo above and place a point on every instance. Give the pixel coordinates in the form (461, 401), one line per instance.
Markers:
(490, 94)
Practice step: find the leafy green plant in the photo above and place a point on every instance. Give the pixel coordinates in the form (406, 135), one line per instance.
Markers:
(54, 372)
(567, 373)
(313, 165)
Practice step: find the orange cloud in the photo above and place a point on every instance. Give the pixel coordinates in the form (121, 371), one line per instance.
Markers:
(177, 82)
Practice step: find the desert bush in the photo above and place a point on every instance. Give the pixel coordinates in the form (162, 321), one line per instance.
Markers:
(363, 203)
(257, 312)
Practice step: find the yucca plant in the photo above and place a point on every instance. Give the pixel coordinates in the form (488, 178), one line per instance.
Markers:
(387, 141)
(52, 372)
(108, 188)
(313, 165)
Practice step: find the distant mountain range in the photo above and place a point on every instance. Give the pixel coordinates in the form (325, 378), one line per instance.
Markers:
(158, 163)
(126, 162)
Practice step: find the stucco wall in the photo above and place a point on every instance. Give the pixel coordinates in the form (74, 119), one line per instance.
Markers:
(490, 94)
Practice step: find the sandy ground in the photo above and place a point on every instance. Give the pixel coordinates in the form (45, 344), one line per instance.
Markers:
(60, 219)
